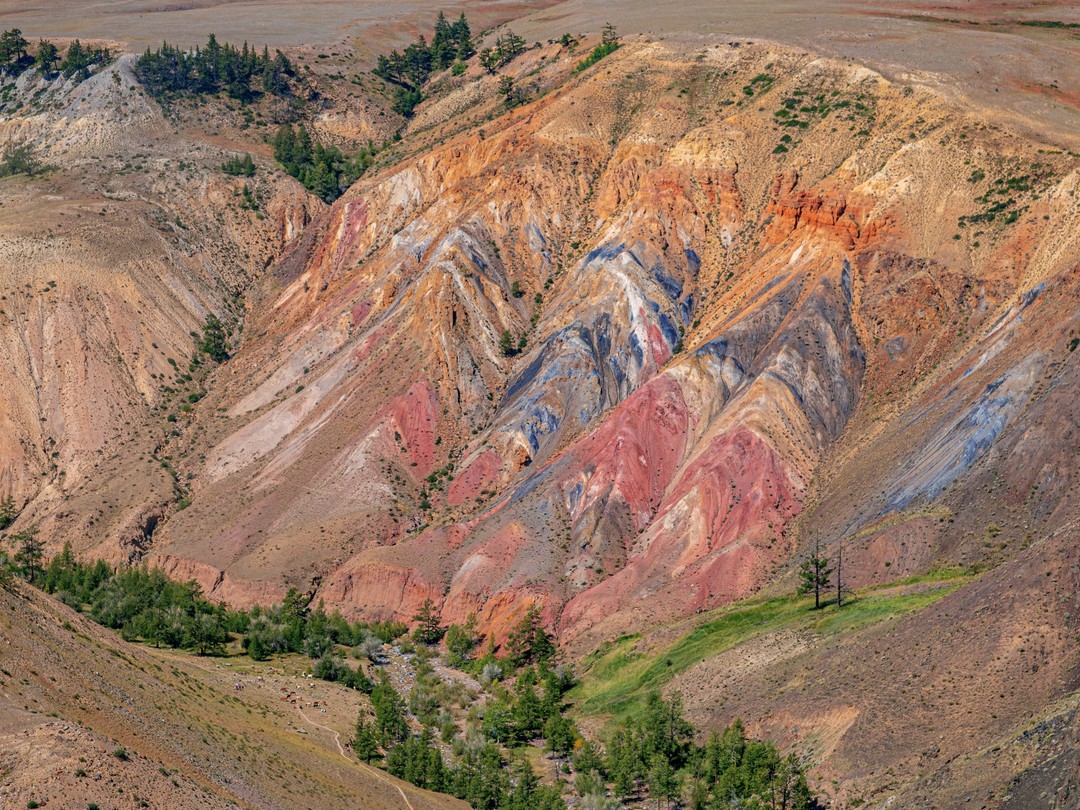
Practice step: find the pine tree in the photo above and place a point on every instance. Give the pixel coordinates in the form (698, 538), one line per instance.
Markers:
(489, 60)
(257, 647)
(462, 35)
(529, 642)
(443, 51)
(19, 158)
(428, 629)
(284, 144)
(322, 182)
(667, 732)
(506, 343)
(61, 570)
(214, 339)
(29, 553)
(587, 758)
(839, 575)
(47, 57)
(7, 512)
(76, 62)
(663, 783)
(560, 735)
(508, 46)
(239, 166)
(461, 640)
(389, 710)
(12, 50)
(814, 574)
(206, 633)
(621, 764)
(528, 717)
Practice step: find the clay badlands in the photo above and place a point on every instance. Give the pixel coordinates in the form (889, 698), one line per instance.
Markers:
(624, 340)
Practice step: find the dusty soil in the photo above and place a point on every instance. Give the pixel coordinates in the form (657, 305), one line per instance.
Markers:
(378, 25)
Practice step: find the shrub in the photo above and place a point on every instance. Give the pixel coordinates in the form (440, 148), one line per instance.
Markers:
(19, 158)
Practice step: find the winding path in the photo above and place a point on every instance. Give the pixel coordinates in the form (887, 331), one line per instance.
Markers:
(218, 671)
(364, 766)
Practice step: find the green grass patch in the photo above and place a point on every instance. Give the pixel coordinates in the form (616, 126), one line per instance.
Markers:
(597, 53)
(615, 678)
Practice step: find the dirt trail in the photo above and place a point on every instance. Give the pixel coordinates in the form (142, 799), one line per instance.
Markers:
(375, 772)
(336, 735)
(363, 766)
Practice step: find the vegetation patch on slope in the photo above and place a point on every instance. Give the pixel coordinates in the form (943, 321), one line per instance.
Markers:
(616, 678)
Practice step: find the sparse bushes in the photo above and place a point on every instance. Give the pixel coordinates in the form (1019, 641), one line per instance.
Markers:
(490, 672)
(505, 49)
(506, 344)
(214, 343)
(19, 158)
(369, 647)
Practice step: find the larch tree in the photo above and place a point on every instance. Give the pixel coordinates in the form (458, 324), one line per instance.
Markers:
(814, 574)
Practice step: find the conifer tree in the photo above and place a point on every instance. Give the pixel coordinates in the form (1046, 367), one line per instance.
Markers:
(462, 35)
(428, 629)
(7, 512)
(47, 57)
(814, 575)
(29, 553)
(366, 741)
(389, 710)
(529, 642)
(13, 47)
(461, 640)
(214, 341)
